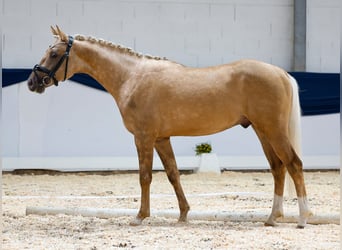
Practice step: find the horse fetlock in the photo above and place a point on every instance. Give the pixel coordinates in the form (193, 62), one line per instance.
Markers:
(143, 215)
(184, 209)
(271, 221)
(278, 214)
(183, 217)
(304, 211)
(306, 214)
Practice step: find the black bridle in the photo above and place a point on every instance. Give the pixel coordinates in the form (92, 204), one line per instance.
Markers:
(46, 80)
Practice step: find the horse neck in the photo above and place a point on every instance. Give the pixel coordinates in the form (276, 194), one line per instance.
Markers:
(109, 67)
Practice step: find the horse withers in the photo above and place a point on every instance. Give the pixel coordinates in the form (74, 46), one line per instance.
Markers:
(158, 98)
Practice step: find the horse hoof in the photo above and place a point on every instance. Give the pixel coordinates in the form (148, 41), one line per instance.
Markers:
(300, 226)
(183, 218)
(182, 221)
(270, 222)
(266, 224)
(136, 222)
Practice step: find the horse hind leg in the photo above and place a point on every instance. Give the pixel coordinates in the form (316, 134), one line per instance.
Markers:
(278, 171)
(294, 166)
(296, 172)
(165, 152)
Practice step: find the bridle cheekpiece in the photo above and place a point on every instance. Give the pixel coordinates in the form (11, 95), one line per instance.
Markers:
(46, 80)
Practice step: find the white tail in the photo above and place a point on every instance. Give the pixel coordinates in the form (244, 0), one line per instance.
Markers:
(294, 131)
(294, 123)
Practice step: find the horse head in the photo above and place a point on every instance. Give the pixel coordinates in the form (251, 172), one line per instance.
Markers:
(54, 65)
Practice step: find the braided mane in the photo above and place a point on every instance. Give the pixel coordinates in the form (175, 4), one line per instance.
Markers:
(118, 47)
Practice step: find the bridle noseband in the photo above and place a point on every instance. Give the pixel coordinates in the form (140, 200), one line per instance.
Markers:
(51, 73)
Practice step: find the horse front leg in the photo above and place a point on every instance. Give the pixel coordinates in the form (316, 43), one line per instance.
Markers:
(145, 155)
(165, 152)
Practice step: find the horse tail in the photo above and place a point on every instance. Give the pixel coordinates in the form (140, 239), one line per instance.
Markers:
(295, 134)
(294, 123)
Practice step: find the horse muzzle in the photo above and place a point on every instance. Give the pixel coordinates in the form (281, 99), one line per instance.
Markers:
(38, 85)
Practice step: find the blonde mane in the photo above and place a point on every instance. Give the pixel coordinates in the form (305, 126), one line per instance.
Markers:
(117, 47)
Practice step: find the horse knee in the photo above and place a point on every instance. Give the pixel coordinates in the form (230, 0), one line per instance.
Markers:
(145, 178)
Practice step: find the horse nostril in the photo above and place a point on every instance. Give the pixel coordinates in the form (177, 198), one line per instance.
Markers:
(31, 85)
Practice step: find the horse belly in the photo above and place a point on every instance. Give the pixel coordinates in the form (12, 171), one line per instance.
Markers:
(198, 130)
(207, 121)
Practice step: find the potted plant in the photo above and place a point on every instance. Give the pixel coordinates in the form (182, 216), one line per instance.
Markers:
(203, 148)
(208, 161)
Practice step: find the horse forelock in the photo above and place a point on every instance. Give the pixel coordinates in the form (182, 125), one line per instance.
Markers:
(117, 47)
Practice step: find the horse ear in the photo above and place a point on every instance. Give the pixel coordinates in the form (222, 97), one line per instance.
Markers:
(54, 31)
(62, 35)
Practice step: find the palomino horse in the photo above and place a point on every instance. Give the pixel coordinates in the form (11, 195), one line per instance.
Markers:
(158, 99)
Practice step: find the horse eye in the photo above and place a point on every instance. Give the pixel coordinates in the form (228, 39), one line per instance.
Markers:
(53, 54)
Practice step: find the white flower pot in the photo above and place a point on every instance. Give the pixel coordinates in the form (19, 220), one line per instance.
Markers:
(208, 162)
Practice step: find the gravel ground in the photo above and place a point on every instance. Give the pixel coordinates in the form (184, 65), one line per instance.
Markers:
(121, 190)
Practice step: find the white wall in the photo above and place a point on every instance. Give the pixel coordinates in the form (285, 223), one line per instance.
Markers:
(196, 33)
(73, 120)
(323, 35)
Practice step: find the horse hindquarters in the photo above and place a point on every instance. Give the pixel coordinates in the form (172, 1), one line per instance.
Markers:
(283, 138)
